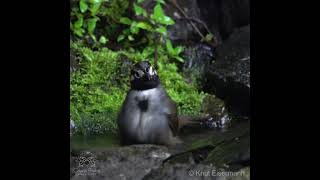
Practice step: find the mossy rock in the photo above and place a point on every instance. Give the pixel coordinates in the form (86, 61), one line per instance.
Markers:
(100, 84)
(212, 105)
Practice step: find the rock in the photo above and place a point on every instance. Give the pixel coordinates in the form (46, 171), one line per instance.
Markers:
(181, 31)
(149, 162)
(224, 16)
(215, 107)
(130, 162)
(229, 76)
(180, 172)
(196, 171)
(223, 149)
(221, 17)
(197, 58)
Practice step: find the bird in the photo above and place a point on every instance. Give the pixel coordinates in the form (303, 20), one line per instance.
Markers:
(148, 114)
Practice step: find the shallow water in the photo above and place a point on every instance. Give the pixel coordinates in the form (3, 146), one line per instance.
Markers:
(188, 136)
(94, 142)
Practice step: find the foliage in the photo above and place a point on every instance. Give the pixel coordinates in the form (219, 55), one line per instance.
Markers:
(86, 15)
(96, 90)
(155, 24)
(101, 82)
(185, 95)
(109, 19)
(99, 86)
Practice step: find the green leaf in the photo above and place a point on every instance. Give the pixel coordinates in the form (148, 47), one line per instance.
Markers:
(174, 52)
(103, 40)
(94, 9)
(125, 20)
(79, 23)
(133, 28)
(92, 24)
(144, 25)
(140, 1)
(139, 10)
(83, 6)
(79, 32)
(161, 1)
(93, 37)
(178, 50)
(120, 38)
(95, 1)
(162, 30)
(126, 31)
(179, 59)
(147, 51)
(167, 21)
(208, 38)
(157, 12)
(130, 38)
(159, 16)
(169, 47)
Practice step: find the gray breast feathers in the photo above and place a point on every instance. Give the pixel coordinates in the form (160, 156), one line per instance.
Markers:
(146, 115)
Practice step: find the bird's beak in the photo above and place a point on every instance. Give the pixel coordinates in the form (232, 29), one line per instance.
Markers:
(150, 73)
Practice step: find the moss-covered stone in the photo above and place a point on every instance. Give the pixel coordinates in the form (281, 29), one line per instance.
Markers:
(100, 84)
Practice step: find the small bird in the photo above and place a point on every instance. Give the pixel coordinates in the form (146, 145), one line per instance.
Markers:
(148, 114)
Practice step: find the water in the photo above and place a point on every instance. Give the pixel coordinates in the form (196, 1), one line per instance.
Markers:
(188, 136)
(94, 142)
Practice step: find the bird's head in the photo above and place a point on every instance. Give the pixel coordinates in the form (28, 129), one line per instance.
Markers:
(144, 76)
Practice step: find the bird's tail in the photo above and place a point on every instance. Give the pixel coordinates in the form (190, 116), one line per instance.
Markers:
(187, 121)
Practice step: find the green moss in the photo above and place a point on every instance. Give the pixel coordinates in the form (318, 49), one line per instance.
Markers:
(99, 87)
(185, 95)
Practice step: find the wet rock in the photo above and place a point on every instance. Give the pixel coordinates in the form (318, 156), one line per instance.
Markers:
(233, 154)
(221, 17)
(196, 171)
(229, 76)
(181, 31)
(229, 148)
(220, 152)
(223, 149)
(224, 16)
(180, 172)
(197, 58)
(217, 110)
(131, 162)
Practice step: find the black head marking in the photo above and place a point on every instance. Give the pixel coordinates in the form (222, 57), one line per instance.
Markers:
(144, 76)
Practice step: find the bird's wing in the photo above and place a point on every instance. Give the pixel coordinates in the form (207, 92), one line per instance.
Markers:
(172, 115)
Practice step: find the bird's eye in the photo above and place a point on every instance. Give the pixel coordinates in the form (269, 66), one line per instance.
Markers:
(138, 74)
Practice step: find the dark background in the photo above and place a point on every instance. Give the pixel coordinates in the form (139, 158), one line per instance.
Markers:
(35, 96)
